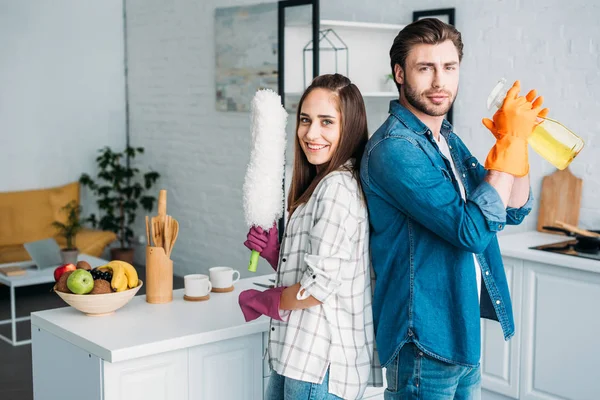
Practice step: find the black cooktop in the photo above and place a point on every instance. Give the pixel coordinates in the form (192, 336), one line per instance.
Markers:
(568, 247)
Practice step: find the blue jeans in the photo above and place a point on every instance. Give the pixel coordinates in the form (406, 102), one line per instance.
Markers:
(282, 388)
(413, 374)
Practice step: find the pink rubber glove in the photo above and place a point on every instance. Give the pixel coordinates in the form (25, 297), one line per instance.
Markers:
(255, 303)
(266, 243)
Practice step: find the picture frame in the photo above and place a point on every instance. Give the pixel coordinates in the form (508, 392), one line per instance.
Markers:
(446, 15)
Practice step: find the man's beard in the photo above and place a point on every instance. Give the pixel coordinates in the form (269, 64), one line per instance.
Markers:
(415, 100)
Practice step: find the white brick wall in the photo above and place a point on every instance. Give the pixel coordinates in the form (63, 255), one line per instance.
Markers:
(202, 153)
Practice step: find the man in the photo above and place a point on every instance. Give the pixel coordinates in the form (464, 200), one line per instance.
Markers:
(434, 213)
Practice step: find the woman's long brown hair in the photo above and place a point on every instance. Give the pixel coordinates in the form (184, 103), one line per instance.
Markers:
(353, 139)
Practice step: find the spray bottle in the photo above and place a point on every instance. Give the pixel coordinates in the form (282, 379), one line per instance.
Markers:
(550, 139)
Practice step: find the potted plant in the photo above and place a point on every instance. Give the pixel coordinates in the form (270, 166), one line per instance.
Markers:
(68, 230)
(389, 83)
(120, 190)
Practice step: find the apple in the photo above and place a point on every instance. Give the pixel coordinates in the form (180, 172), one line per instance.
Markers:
(80, 281)
(62, 269)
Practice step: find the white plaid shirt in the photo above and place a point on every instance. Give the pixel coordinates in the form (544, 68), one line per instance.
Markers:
(326, 249)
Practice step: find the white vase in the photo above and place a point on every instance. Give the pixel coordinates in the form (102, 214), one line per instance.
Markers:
(69, 256)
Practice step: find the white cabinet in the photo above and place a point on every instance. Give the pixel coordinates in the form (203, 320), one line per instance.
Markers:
(555, 353)
(63, 371)
(357, 50)
(560, 334)
(500, 359)
(158, 377)
(228, 370)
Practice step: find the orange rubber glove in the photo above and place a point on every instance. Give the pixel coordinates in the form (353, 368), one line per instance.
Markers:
(512, 124)
(530, 97)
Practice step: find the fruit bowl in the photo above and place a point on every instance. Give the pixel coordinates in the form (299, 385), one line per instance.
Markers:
(99, 304)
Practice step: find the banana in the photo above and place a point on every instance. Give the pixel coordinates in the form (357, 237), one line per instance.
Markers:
(119, 280)
(130, 272)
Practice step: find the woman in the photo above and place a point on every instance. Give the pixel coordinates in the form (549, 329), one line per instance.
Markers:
(321, 338)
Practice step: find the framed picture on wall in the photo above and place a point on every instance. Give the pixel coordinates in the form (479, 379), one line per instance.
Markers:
(445, 15)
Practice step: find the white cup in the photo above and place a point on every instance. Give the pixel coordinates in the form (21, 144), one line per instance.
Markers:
(196, 285)
(222, 277)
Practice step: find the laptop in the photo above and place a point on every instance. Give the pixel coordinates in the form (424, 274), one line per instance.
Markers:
(45, 253)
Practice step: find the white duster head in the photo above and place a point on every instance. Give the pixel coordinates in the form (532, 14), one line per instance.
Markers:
(263, 186)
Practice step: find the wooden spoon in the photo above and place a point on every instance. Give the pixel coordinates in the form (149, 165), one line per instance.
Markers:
(147, 230)
(158, 222)
(174, 233)
(167, 234)
(574, 229)
(156, 233)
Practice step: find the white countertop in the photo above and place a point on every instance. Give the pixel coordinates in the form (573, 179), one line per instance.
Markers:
(518, 246)
(140, 329)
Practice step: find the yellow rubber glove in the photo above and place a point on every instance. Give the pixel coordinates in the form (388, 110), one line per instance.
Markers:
(512, 124)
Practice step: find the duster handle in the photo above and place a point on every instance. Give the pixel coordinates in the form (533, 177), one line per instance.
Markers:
(253, 261)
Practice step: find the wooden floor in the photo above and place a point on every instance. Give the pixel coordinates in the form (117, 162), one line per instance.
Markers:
(16, 381)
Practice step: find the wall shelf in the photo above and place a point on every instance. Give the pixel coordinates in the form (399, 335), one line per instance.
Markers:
(327, 23)
(368, 45)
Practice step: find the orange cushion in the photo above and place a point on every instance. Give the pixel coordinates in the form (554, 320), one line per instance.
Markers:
(88, 241)
(28, 215)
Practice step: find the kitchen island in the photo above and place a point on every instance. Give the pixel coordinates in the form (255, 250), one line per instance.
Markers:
(205, 350)
(175, 351)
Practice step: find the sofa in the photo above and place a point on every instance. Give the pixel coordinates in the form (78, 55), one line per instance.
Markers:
(27, 216)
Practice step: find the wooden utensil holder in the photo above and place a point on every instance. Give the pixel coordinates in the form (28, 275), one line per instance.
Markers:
(159, 276)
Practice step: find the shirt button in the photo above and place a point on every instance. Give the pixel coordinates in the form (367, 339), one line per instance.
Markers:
(449, 147)
(314, 277)
(273, 329)
(487, 272)
(497, 301)
(464, 176)
(284, 259)
(472, 164)
(410, 333)
(420, 354)
(499, 226)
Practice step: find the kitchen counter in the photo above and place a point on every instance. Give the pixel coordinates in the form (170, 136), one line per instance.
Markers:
(205, 350)
(141, 329)
(518, 246)
(145, 329)
(554, 299)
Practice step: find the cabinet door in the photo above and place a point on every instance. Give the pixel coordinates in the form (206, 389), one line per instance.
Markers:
(227, 370)
(561, 331)
(499, 358)
(159, 377)
(62, 370)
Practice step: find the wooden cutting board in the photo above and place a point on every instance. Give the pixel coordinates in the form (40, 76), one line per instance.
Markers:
(560, 199)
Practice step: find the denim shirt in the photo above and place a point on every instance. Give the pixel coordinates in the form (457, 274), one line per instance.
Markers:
(423, 237)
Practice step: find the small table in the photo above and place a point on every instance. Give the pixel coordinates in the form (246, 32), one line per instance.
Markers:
(32, 276)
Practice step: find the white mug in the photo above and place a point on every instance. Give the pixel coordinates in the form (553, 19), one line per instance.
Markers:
(222, 277)
(196, 285)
